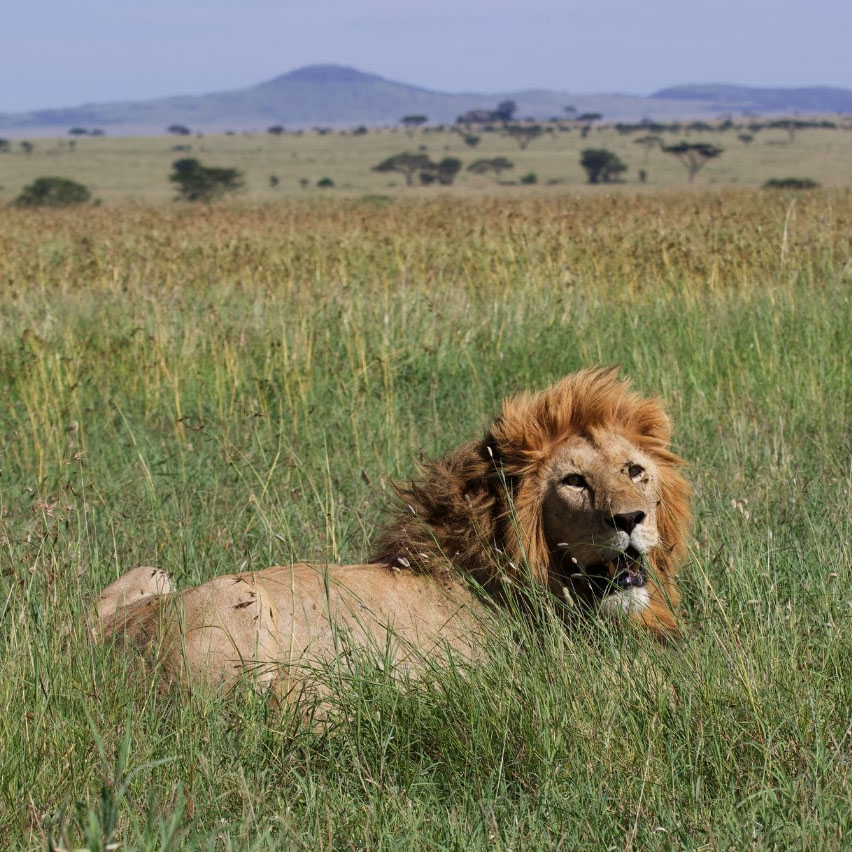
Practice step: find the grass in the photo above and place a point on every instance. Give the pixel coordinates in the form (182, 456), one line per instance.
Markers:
(136, 169)
(217, 388)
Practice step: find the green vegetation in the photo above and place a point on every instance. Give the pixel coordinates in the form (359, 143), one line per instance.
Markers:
(406, 164)
(203, 183)
(601, 166)
(444, 171)
(413, 121)
(119, 169)
(498, 165)
(790, 183)
(523, 134)
(693, 155)
(53, 192)
(215, 388)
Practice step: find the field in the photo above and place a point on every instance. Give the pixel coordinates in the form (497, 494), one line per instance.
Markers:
(209, 388)
(137, 169)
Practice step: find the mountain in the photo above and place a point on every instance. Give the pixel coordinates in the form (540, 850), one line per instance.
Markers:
(336, 96)
(725, 98)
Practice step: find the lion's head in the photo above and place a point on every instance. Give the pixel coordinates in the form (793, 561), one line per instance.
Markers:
(574, 487)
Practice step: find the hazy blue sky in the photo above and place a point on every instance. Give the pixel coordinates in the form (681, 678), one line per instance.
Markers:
(66, 52)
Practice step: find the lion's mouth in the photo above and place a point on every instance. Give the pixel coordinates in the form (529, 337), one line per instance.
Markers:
(625, 571)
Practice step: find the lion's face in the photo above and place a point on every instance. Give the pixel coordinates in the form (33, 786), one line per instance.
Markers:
(599, 505)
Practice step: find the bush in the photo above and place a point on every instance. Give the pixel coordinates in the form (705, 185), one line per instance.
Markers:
(203, 183)
(325, 182)
(53, 192)
(601, 165)
(529, 178)
(790, 183)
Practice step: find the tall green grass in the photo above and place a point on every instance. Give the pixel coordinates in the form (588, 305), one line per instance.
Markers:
(225, 388)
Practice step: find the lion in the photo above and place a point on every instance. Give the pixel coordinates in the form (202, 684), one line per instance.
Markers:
(573, 491)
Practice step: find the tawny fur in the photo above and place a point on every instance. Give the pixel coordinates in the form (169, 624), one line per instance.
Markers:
(479, 510)
(475, 515)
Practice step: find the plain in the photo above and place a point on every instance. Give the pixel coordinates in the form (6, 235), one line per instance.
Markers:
(211, 388)
(291, 165)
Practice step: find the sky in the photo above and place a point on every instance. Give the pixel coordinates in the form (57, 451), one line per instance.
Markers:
(56, 53)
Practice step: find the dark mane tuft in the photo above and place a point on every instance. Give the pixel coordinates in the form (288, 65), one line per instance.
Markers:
(478, 510)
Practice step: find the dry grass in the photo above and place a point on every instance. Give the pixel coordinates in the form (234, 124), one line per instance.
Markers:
(124, 169)
(215, 388)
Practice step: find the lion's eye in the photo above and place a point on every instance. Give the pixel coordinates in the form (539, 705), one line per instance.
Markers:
(634, 471)
(575, 480)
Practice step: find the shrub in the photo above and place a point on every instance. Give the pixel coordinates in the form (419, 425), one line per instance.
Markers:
(447, 169)
(325, 182)
(790, 183)
(53, 192)
(529, 178)
(601, 166)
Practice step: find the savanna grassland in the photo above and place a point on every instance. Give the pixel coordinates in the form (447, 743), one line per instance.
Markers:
(120, 169)
(213, 388)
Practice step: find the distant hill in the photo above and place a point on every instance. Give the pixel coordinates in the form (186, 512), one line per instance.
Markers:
(725, 98)
(336, 96)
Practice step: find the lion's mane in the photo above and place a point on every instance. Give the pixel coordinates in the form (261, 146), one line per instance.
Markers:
(478, 510)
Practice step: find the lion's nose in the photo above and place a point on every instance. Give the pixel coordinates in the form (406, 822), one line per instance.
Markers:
(630, 579)
(627, 521)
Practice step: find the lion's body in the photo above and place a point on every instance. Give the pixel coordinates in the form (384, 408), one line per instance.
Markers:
(573, 490)
(277, 624)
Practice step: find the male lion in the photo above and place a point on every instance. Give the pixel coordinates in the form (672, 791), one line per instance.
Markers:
(572, 490)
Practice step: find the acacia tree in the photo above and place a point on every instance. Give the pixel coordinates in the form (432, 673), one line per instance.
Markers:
(406, 164)
(203, 183)
(693, 155)
(505, 110)
(587, 119)
(601, 166)
(412, 122)
(791, 125)
(498, 165)
(648, 142)
(523, 134)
